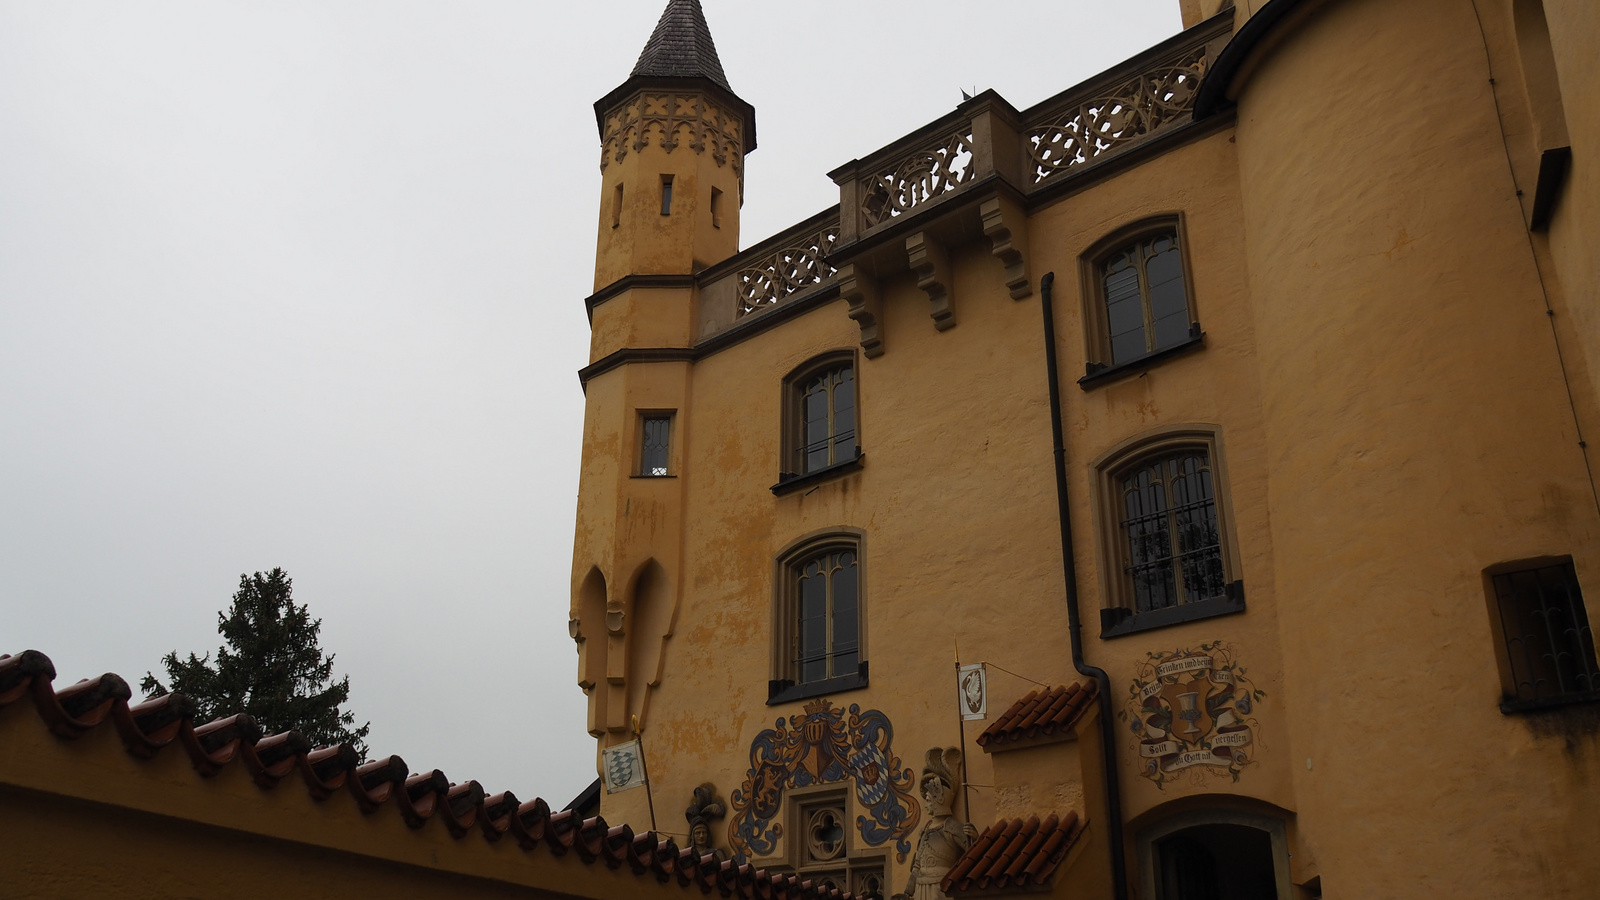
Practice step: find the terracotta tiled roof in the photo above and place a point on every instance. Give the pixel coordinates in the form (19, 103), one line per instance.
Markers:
(1012, 854)
(147, 729)
(1045, 714)
(681, 46)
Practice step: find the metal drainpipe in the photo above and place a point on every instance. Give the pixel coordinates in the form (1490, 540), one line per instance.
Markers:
(1069, 566)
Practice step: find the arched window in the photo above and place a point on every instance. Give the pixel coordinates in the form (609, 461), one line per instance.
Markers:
(819, 641)
(1137, 303)
(820, 434)
(1167, 553)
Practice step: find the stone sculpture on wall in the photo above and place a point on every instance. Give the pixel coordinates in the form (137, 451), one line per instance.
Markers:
(1192, 712)
(703, 809)
(944, 837)
(824, 746)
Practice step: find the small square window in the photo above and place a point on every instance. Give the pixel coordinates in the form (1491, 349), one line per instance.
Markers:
(1549, 656)
(655, 445)
(824, 850)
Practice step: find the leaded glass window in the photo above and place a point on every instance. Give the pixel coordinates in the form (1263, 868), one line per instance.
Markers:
(1146, 305)
(656, 440)
(1172, 540)
(829, 636)
(827, 409)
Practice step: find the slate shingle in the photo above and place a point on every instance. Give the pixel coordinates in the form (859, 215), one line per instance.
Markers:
(681, 47)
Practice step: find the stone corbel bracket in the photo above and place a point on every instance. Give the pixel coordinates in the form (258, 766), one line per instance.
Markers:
(1006, 226)
(931, 262)
(860, 290)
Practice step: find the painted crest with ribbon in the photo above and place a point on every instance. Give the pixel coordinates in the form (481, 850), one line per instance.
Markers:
(1192, 712)
(822, 746)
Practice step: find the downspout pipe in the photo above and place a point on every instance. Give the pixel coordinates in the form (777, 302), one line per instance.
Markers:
(1069, 568)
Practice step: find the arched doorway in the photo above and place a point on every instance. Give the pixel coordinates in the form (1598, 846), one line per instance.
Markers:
(1215, 855)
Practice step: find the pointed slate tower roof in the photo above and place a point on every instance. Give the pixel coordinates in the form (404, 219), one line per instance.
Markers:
(681, 55)
(681, 47)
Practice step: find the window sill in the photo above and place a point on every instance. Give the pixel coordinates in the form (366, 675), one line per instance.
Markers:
(1096, 374)
(785, 691)
(652, 477)
(1576, 698)
(788, 483)
(1120, 621)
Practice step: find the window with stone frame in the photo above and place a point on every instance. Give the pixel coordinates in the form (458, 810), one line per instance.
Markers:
(819, 634)
(1164, 522)
(820, 431)
(823, 847)
(1546, 648)
(1137, 303)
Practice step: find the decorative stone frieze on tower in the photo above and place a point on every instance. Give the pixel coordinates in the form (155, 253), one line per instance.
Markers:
(673, 140)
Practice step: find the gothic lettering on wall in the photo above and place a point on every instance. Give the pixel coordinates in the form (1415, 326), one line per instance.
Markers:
(826, 745)
(1192, 712)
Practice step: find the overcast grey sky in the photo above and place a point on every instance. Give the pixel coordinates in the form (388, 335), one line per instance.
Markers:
(300, 284)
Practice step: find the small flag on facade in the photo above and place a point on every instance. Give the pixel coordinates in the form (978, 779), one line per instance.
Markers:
(624, 766)
(972, 690)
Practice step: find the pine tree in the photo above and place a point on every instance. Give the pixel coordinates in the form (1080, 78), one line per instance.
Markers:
(270, 668)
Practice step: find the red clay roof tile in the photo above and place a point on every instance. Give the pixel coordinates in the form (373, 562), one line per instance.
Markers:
(1044, 715)
(1013, 854)
(149, 727)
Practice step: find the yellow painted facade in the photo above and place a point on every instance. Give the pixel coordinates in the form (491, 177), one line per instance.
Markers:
(1396, 364)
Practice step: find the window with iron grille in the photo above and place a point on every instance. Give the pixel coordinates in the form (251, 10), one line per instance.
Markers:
(1549, 655)
(1172, 543)
(1137, 304)
(655, 443)
(1166, 540)
(820, 433)
(819, 643)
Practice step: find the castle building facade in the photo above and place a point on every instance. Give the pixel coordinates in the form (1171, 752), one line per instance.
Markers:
(1178, 489)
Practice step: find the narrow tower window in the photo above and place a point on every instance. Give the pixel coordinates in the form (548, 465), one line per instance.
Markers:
(666, 195)
(616, 207)
(655, 441)
(716, 208)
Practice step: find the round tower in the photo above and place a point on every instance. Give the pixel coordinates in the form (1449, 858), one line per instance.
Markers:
(1419, 433)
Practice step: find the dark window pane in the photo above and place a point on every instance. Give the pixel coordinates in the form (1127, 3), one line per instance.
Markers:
(1165, 266)
(1124, 315)
(1127, 346)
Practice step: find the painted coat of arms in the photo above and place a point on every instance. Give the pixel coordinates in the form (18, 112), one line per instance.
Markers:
(1193, 713)
(823, 746)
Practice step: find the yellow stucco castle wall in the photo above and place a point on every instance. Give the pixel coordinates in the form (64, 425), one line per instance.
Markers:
(1392, 419)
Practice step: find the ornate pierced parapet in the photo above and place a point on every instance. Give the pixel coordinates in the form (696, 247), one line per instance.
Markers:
(801, 262)
(674, 120)
(1079, 127)
(918, 177)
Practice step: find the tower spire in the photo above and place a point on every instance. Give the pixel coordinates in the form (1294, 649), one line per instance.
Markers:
(681, 47)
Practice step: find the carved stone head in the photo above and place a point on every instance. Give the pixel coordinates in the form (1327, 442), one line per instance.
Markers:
(704, 808)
